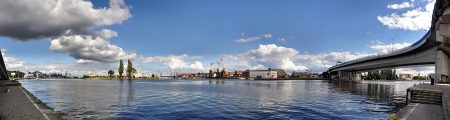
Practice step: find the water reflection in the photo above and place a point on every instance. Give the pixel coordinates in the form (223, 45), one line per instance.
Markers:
(127, 93)
(219, 99)
(390, 93)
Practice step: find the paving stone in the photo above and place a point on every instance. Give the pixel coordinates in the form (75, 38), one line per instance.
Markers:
(15, 105)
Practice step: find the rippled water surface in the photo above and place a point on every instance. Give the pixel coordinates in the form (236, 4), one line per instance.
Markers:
(220, 99)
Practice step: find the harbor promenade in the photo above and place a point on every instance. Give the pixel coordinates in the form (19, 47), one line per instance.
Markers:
(427, 102)
(16, 103)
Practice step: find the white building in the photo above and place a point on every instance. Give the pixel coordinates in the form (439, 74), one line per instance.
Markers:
(139, 75)
(405, 76)
(263, 74)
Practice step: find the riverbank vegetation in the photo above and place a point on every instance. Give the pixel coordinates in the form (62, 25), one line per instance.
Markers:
(130, 74)
(385, 74)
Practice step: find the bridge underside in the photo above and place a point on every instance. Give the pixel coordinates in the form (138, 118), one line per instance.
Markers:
(3, 72)
(425, 57)
(432, 49)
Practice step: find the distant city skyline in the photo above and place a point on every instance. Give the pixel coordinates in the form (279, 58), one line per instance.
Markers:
(90, 37)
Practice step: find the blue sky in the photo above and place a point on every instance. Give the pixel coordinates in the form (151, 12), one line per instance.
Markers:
(160, 32)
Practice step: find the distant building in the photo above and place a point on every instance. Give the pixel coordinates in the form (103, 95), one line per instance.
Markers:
(37, 74)
(405, 76)
(281, 74)
(246, 74)
(263, 74)
(238, 74)
(313, 76)
(139, 75)
(192, 75)
(300, 75)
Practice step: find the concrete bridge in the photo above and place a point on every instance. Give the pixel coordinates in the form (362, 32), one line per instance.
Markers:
(3, 72)
(432, 49)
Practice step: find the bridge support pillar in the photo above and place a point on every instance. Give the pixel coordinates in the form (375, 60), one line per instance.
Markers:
(351, 76)
(356, 76)
(442, 67)
(340, 75)
(343, 75)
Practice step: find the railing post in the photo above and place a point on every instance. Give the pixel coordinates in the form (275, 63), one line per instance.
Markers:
(407, 96)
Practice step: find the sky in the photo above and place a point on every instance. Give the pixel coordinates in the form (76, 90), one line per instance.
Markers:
(166, 36)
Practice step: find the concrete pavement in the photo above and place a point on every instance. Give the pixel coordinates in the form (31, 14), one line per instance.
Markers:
(18, 104)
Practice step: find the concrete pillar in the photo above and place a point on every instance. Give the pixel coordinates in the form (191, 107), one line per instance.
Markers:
(342, 75)
(442, 67)
(355, 76)
(3, 72)
(358, 76)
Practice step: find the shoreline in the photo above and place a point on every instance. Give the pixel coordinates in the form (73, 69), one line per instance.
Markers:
(115, 79)
(24, 104)
(43, 108)
(19, 103)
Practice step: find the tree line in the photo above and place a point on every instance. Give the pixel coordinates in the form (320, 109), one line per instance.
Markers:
(385, 74)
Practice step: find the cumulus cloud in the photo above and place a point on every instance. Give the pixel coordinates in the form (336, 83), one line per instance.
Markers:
(3, 51)
(91, 48)
(418, 18)
(325, 60)
(54, 67)
(265, 56)
(176, 62)
(13, 63)
(34, 19)
(254, 38)
(387, 48)
(69, 24)
(273, 56)
(400, 6)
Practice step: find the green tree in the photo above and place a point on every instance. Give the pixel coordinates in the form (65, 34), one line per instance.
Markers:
(133, 71)
(85, 76)
(153, 76)
(130, 70)
(121, 69)
(111, 73)
(294, 74)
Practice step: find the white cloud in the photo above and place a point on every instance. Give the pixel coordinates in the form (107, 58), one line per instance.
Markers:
(323, 61)
(400, 6)
(268, 35)
(254, 38)
(24, 66)
(91, 48)
(69, 24)
(83, 61)
(13, 63)
(387, 48)
(273, 56)
(416, 19)
(181, 62)
(34, 19)
(3, 51)
(10, 62)
(282, 39)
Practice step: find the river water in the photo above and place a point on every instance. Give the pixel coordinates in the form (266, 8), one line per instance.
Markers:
(220, 99)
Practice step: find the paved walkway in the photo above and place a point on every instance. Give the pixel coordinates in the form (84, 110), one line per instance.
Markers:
(418, 111)
(15, 104)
